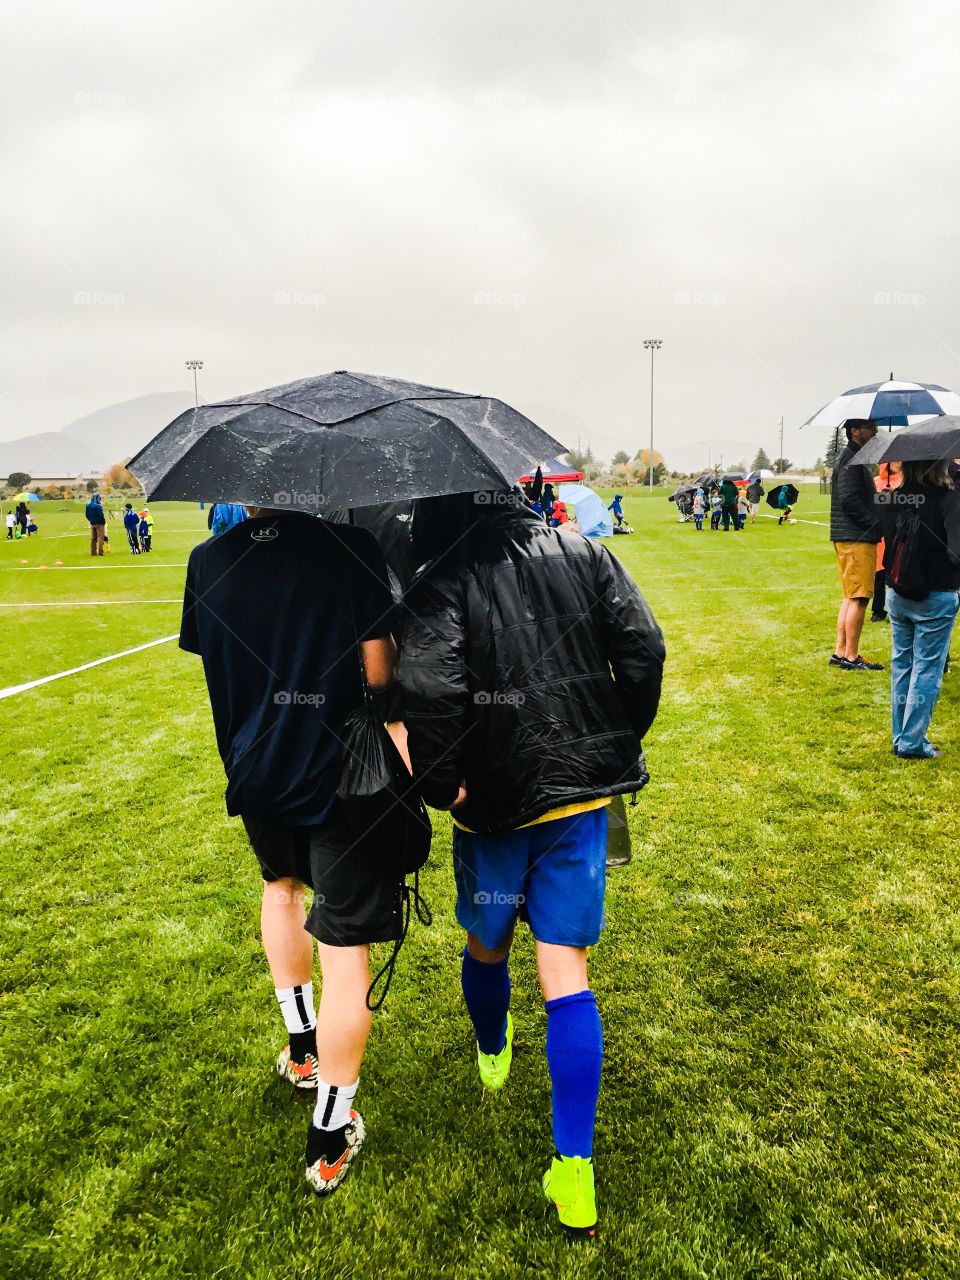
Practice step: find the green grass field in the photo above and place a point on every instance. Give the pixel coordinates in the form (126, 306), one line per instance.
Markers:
(779, 977)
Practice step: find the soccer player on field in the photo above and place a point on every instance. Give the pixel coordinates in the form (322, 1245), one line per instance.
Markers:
(278, 607)
(530, 671)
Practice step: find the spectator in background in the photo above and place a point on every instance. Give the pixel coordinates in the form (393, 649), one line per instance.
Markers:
(146, 515)
(699, 508)
(224, 515)
(728, 507)
(854, 531)
(97, 519)
(889, 478)
(743, 506)
(11, 521)
(547, 500)
(716, 509)
(131, 522)
(755, 492)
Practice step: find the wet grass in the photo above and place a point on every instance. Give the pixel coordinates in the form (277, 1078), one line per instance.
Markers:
(779, 978)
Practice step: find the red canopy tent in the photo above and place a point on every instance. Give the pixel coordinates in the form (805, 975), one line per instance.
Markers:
(556, 473)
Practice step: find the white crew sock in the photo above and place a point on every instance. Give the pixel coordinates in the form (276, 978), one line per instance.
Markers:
(333, 1104)
(296, 1005)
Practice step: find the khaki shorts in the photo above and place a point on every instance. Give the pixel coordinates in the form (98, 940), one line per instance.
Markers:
(857, 562)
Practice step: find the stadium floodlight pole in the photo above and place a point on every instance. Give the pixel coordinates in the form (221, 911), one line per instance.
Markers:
(195, 365)
(651, 345)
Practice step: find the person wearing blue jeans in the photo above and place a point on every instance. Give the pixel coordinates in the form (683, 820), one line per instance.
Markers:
(921, 645)
(926, 569)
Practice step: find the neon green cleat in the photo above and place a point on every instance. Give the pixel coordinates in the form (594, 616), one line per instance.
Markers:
(569, 1184)
(495, 1067)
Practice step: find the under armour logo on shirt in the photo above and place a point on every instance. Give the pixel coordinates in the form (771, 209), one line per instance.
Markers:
(263, 535)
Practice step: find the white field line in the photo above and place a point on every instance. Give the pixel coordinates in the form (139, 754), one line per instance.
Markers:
(78, 604)
(32, 684)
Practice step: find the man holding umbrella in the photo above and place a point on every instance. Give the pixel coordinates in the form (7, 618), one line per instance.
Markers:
(854, 531)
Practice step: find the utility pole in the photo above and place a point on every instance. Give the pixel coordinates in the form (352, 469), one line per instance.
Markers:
(781, 444)
(195, 365)
(651, 345)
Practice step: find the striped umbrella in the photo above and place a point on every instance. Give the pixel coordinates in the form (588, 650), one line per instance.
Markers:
(890, 404)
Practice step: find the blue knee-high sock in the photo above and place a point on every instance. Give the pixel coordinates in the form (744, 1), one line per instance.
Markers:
(486, 989)
(574, 1057)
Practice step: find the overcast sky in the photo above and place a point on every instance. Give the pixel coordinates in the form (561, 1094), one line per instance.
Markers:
(500, 197)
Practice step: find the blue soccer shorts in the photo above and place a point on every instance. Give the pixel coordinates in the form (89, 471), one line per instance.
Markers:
(552, 874)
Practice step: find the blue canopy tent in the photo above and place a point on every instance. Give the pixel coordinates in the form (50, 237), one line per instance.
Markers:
(593, 517)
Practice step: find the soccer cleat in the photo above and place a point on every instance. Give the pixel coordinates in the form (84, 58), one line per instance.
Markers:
(302, 1075)
(495, 1067)
(569, 1184)
(325, 1177)
(859, 664)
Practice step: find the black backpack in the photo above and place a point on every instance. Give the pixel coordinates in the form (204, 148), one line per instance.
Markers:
(908, 564)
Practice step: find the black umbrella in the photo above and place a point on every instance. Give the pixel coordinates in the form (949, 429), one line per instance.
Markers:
(340, 440)
(684, 488)
(929, 441)
(732, 478)
(793, 494)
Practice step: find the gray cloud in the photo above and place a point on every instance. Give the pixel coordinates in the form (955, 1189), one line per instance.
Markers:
(502, 197)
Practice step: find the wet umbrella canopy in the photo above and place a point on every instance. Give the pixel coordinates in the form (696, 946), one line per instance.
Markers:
(793, 494)
(340, 440)
(933, 440)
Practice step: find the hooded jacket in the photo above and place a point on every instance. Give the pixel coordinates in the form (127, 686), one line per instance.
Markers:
(531, 668)
(853, 512)
(94, 513)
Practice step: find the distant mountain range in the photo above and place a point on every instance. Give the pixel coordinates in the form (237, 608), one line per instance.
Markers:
(96, 441)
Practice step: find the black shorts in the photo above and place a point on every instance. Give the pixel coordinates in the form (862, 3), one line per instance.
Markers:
(356, 899)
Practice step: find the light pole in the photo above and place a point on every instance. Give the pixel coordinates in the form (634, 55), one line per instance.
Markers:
(651, 345)
(195, 365)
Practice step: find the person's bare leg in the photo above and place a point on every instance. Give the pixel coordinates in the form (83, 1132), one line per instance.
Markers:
(841, 648)
(562, 970)
(343, 1019)
(856, 616)
(484, 954)
(288, 946)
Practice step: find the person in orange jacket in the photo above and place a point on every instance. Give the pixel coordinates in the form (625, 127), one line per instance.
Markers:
(889, 478)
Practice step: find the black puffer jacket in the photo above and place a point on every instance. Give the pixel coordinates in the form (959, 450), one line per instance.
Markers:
(853, 512)
(530, 667)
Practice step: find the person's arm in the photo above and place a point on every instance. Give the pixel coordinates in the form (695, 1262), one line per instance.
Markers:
(189, 632)
(434, 696)
(635, 647)
(853, 500)
(379, 661)
(951, 524)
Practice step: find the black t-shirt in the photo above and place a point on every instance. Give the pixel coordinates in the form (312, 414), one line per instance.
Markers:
(275, 608)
